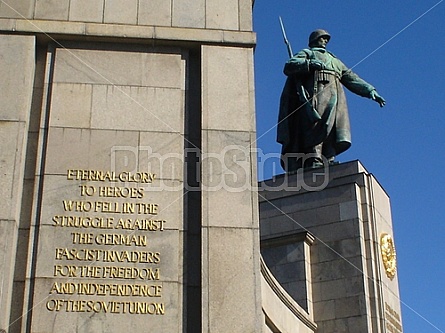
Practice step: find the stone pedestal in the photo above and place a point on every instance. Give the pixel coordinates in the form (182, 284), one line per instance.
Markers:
(127, 171)
(327, 237)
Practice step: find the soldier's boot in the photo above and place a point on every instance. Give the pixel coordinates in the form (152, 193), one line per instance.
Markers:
(315, 160)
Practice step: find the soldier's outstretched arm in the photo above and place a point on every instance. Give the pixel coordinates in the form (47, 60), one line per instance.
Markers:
(376, 97)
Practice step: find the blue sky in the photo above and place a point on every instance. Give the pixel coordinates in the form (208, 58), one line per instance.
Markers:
(399, 47)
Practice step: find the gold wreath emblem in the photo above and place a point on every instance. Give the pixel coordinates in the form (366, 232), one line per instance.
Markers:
(388, 255)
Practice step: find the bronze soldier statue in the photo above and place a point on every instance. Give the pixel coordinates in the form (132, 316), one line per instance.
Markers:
(313, 124)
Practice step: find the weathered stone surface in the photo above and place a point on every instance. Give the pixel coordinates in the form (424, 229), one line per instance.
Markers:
(71, 105)
(245, 15)
(381, 200)
(12, 137)
(8, 239)
(155, 12)
(230, 298)
(281, 310)
(226, 179)
(119, 30)
(7, 24)
(189, 14)
(86, 10)
(347, 218)
(50, 26)
(132, 91)
(17, 68)
(349, 210)
(52, 9)
(312, 199)
(331, 290)
(227, 204)
(222, 14)
(231, 151)
(138, 32)
(137, 108)
(228, 108)
(85, 149)
(121, 11)
(17, 9)
(346, 307)
(120, 68)
(290, 263)
(190, 34)
(162, 153)
(113, 99)
(324, 310)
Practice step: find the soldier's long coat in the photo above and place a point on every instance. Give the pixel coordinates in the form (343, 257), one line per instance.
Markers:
(325, 119)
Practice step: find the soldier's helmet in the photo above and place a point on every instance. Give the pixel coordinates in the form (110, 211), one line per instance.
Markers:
(317, 34)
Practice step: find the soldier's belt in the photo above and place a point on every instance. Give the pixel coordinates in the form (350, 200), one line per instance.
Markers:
(326, 75)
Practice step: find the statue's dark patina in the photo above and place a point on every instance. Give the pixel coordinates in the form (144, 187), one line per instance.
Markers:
(313, 124)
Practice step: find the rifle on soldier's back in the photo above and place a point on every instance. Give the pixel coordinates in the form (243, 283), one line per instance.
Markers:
(308, 107)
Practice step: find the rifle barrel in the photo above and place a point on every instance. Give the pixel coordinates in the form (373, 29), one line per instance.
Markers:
(283, 31)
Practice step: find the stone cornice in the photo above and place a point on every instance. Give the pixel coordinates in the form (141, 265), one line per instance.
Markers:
(70, 30)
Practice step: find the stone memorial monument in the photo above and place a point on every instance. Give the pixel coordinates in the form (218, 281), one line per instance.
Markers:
(128, 184)
(327, 237)
(326, 228)
(115, 214)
